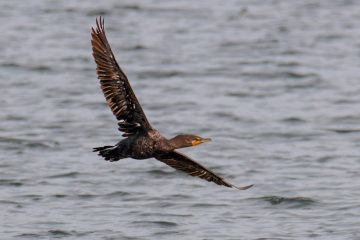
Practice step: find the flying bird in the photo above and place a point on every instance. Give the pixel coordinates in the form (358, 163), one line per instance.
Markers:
(141, 140)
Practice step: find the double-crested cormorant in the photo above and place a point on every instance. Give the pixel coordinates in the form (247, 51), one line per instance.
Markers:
(142, 140)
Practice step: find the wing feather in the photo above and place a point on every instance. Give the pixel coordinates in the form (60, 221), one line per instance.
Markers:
(115, 85)
(183, 163)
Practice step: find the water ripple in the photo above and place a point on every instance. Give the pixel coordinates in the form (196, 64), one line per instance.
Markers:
(11, 182)
(159, 223)
(292, 202)
(345, 131)
(71, 174)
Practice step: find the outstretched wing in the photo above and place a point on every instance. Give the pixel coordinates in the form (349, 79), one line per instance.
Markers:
(115, 85)
(189, 166)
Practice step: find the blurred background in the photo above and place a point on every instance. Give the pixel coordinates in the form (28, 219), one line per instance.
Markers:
(274, 83)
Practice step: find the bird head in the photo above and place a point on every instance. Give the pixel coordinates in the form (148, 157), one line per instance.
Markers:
(187, 140)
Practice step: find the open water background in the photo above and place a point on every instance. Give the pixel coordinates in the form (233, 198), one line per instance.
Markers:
(276, 84)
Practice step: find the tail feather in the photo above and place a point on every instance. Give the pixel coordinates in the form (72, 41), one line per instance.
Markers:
(109, 153)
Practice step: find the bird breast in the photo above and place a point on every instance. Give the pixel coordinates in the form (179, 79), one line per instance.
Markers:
(142, 147)
(161, 144)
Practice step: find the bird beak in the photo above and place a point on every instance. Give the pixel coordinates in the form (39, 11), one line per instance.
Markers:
(205, 140)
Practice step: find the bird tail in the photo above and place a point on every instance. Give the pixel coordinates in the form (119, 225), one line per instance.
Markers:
(109, 153)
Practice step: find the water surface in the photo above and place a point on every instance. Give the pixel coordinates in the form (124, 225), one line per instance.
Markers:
(275, 84)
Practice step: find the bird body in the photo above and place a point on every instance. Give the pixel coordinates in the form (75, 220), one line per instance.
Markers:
(141, 140)
(145, 145)
(140, 146)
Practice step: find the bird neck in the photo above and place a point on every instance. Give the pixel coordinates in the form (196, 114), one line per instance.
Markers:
(178, 142)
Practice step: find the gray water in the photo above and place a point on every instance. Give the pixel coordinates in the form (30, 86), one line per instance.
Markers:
(275, 84)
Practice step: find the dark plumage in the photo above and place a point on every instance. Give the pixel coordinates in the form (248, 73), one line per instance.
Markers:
(142, 140)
